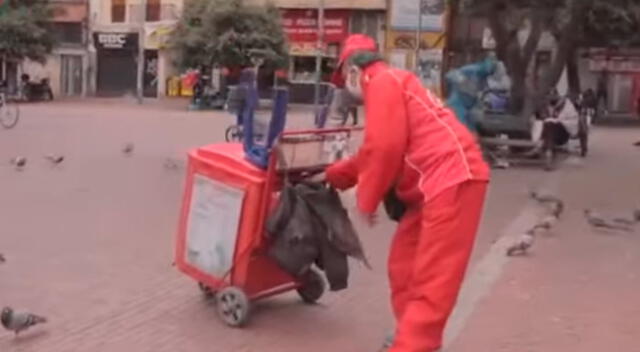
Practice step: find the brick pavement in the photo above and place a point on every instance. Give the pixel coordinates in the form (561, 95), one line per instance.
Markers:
(90, 243)
(578, 289)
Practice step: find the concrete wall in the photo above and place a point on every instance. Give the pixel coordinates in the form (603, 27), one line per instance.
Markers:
(52, 69)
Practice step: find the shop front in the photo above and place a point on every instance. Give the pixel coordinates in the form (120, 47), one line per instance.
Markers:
(301, 28)
(401, 41)
(9, 70)
(158, 66)
(615, 77)
(117, 63)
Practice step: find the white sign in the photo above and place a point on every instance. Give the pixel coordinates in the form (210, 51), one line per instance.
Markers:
(112, 40)
(404, 15)
(430, 68)
(213, 224)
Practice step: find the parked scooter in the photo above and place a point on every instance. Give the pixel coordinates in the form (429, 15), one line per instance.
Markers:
(35, 91)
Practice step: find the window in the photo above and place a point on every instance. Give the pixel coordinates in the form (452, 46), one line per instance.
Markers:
(118, 10)
(67, 32)
(153, 10)
(304, 69)
(366, 22)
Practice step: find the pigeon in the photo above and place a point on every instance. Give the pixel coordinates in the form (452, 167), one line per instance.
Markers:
(128, 149)
(2, 258)
(598, 221)
(525, 242)
(557, 205)
(522, 245)
(628, 221)
(55, 159)
(544, 198)
(546, 223)
(171, 164)
(19, 162)
(19, 321)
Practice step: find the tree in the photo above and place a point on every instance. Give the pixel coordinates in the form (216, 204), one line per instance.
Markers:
(24, 30)
(230, 34)
(570, 22)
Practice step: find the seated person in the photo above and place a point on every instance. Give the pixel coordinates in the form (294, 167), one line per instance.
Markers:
(496, 97)
(560, 120)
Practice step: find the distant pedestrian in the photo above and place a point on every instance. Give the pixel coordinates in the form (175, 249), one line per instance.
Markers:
(602, 95)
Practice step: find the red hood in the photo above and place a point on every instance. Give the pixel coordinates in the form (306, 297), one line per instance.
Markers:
(353, 43)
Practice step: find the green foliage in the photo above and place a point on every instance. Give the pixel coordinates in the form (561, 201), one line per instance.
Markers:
(230, 34)
(573, 23)
(613, 23)
(606, 22)
(24, 31)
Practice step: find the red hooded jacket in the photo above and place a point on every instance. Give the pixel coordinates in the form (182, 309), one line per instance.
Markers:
(411, 141)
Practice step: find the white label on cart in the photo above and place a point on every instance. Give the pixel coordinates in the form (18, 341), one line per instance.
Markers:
(336, 148)
(212, 228)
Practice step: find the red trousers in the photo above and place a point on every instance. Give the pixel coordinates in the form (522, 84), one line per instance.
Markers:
(428, 260)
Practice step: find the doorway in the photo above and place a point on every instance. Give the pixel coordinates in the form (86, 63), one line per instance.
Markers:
(71, 75)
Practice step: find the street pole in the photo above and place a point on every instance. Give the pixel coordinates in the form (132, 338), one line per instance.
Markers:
(418, 37)
(319, 54)
(140, 81)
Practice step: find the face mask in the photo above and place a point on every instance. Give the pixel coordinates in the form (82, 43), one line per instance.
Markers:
(353, 83)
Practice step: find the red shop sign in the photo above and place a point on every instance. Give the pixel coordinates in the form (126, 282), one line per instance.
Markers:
(302, 25)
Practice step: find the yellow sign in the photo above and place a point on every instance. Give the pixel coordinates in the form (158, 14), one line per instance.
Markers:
(407, 40)
(310, 49)
(157, 37)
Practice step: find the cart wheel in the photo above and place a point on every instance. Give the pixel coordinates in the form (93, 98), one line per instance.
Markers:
(312, 288)
(233, 306)
(207, 292)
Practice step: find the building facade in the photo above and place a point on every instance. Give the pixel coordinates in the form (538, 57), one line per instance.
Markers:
(614, 74)
(341, 18)
(119, 28)
(68, 66)
(416, 37)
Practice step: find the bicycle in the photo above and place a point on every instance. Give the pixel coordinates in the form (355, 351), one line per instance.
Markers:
(9, 112)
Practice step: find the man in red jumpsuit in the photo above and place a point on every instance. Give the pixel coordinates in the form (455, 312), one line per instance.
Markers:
(417, 145)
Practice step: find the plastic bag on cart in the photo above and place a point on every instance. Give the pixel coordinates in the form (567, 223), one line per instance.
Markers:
(310, 226)
(295, 247)
(326, 205)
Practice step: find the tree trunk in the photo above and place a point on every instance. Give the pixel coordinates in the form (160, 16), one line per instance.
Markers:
(566, 48)
(573, 73)
(516, 58)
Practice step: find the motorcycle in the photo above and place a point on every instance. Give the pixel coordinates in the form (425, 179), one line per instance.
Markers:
(35, 91)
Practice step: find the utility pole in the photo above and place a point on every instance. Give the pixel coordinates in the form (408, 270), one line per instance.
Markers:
(418, 37)
(140, 81)
(319, 54)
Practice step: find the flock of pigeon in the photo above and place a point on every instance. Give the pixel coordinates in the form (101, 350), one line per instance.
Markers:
(20, 162)
(555, 207)
(18, 321)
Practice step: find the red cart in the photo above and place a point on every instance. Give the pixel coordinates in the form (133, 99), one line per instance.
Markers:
(221, 241)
